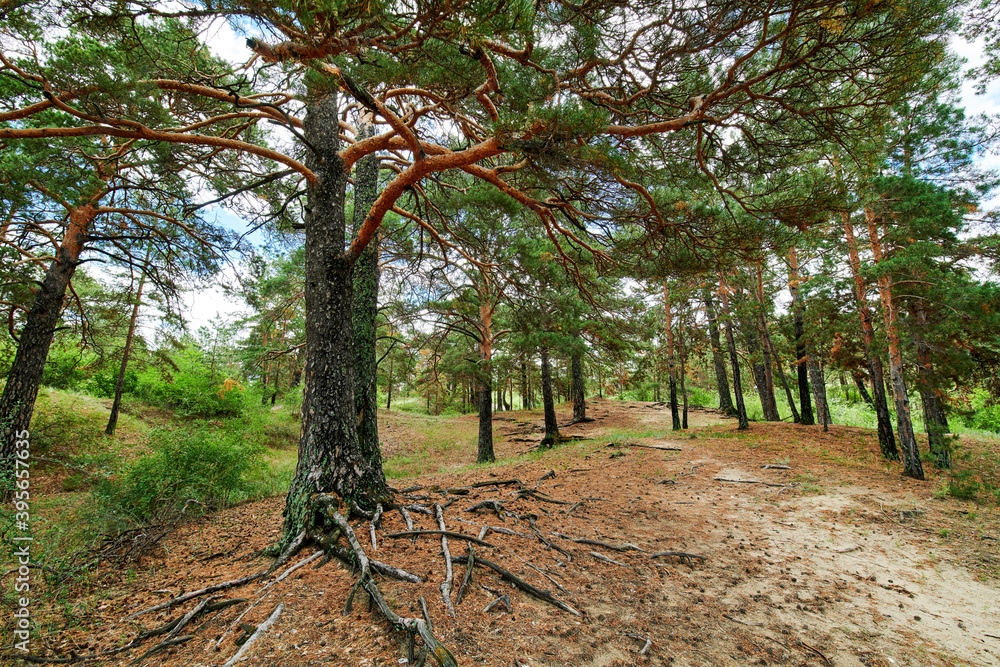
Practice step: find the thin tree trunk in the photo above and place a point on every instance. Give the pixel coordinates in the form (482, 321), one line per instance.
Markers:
(578, 387)
(484, 452)
(331, 457)
(552, 436)
(771, 409)
(718, 359)
(805, 402)
(18, 400)
(859, 381)
(886, 439)
(741, 410)
(525, 405)
(388, 389)
(682, 353)
(672, 373)
(935, 420)
(126, 351)
(796, 418)
(904, 425)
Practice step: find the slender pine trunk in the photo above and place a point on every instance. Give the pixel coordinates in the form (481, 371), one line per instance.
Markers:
(552, 436)
(801, 362)
(718, 358)
(741, 410)
(886, 439)
(127, 349)
(935, 420)
(578, 386)
(675, 417)
(912, 466)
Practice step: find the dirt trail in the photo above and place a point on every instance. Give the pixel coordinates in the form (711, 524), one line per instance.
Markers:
(816, 564)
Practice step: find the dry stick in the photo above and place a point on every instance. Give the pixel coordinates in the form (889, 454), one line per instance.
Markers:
(406, 517)
(649, 642)
(745, 481)
(628, 546)
(468, 575)
(482, 532)
(549, 475)
(505, 599)
(546, 575)
(194, 594)
(685, 557)
(411, 625)
(186, 618)
(502, 482)
(261, 629)
(574, 508)
(159, 647)
(531, 493)
(420, 508)
(606, 559)
(662, 448)
(446, 584)
(491, 504)
(448, 533)
(548, 543)
(523, 585)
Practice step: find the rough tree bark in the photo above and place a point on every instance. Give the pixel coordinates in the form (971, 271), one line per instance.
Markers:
(25, 377)
(818, 382)
(741, 410)
(935, 419)
(671, 370)
(116, 404)
(331, 457)
(485, 450)
(552, 436)
(365, 303)
(904, 424)
(719, 361)
(886, 439)
(805, 400)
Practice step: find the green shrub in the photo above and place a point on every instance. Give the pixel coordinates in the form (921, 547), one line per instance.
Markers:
(191, 387)
(205, 466)
(702, 397)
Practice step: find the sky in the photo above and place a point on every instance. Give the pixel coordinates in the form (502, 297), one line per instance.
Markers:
(205, 304)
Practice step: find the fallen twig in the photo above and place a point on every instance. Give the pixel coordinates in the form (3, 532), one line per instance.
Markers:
(606, 559)
(261, 629)
(194, 594)
(685, 557)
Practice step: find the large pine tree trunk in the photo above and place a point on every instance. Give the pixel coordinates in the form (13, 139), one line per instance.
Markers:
(551, 425)
(331, 457)
(935, 420)
(805, 401)
(741, 410)
(116, 404)
(718, 359)
(671, 368)
(886, 439)
(904, 425)
(25, 377)
(796, 418)
(365, 301)
(818, 382)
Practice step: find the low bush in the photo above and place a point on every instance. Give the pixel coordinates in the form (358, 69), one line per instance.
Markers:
(207, 467)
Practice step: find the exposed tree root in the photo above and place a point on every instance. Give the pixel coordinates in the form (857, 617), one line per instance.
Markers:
(520, 583)
(261, 630)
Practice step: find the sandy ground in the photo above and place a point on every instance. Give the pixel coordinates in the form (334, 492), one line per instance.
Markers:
(824, 561)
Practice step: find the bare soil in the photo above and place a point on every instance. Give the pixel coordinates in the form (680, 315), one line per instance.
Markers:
(833, 559)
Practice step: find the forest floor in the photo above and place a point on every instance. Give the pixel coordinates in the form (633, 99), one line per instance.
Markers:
(833, 558)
